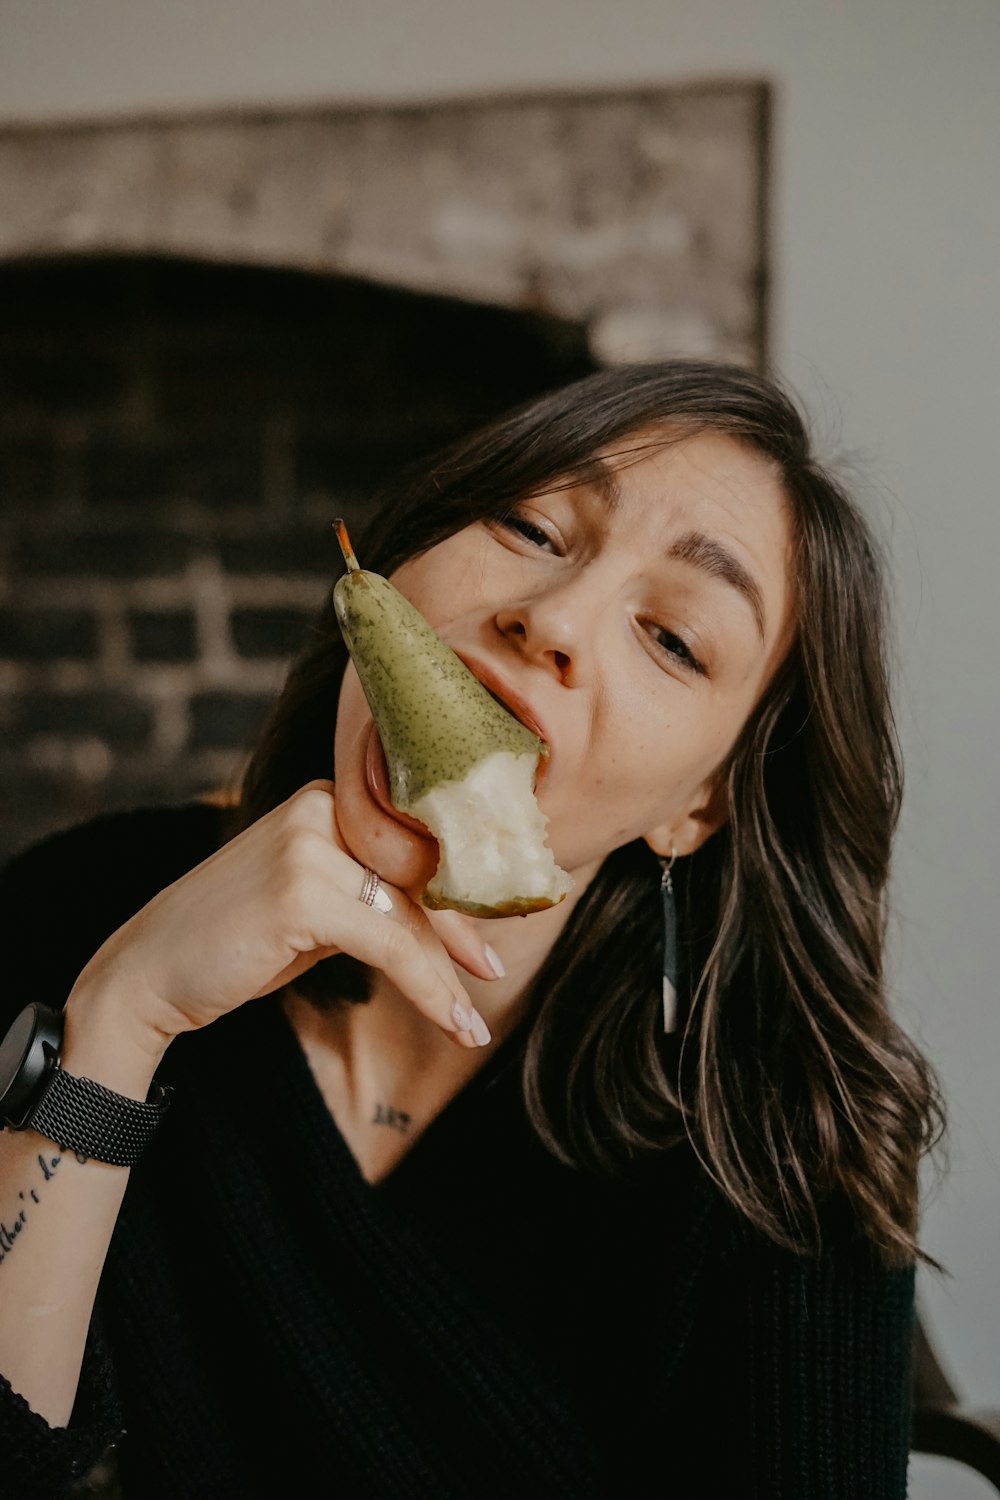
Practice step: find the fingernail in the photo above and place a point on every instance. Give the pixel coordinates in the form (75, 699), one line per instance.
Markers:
(462, 1016)
(494, 960)
(480, 1030)
(382, 901)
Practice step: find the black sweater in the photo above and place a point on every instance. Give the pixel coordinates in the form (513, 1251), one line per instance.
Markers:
(484, 1322)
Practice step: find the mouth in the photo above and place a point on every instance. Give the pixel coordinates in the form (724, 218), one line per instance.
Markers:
(377, 770)
(507, 697)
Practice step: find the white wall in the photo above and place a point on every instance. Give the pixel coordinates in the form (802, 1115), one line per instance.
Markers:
(886, 305)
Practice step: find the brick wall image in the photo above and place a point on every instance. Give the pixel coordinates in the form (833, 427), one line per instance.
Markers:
(180, 420)
(175, 439)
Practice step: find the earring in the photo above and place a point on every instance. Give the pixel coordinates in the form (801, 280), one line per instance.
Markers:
(669, 943)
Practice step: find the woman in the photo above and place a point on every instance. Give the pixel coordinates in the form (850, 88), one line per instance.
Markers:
(439, 1207)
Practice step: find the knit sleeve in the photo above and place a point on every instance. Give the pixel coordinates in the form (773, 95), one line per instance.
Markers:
(59, 901)
(831, 1348)
(45, 1463)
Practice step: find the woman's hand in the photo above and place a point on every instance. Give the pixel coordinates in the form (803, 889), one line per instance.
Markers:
(259, 912)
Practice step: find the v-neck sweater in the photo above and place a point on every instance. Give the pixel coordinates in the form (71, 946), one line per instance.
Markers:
(483, 1322)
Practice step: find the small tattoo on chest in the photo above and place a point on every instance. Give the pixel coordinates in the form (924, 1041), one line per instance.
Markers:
(397, 1118)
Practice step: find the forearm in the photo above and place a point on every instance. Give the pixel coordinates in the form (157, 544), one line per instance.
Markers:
(58, 1214)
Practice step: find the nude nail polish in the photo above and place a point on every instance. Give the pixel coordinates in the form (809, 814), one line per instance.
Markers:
(462, 1016)
(480, 1030)
(494, 960)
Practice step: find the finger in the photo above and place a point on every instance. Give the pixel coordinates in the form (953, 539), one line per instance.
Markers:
(400, 943)
(414, 917)
(314, 805)
(393, 946)
(449, 930)
(460, 938)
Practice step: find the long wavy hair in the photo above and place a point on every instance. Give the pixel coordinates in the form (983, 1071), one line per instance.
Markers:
(799, 1092)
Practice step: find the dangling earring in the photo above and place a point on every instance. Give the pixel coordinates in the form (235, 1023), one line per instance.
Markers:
(669, 943)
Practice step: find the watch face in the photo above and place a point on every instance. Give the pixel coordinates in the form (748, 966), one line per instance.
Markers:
(30, 1048)
(14, 1049)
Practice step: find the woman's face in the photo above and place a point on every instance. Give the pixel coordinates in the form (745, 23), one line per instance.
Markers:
(638, 618)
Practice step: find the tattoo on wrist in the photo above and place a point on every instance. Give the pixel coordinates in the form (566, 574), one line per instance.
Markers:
(49, 1164)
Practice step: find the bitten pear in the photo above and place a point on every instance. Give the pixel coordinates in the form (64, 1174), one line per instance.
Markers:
(458, 760)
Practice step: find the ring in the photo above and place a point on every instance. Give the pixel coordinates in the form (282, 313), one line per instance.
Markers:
(372, 893)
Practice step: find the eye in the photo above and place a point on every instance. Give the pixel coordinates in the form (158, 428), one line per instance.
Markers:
(678, 649)
(531, 533)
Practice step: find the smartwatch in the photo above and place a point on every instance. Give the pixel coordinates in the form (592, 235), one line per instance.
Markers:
(77, 1113)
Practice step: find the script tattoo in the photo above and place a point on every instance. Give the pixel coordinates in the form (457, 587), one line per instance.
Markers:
(10, 1233)
(397, 1118)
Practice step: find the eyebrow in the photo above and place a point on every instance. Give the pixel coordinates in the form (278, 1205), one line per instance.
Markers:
(693, 547)
(718, 562)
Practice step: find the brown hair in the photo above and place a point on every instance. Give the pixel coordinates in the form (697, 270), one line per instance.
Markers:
(801, 1095)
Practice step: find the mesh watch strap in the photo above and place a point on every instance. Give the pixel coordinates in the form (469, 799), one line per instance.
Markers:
(81, 1115)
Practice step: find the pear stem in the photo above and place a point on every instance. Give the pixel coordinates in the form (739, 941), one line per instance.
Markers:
(345, 546)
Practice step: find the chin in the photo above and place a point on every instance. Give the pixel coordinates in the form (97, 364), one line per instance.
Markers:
(402, 858)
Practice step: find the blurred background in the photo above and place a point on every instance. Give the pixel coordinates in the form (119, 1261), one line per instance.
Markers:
(253, 257)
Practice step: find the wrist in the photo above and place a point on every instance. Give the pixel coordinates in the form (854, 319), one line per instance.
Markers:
(106, 1041)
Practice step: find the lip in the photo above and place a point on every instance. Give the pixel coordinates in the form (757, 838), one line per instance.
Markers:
(377, 777)
(511, 699)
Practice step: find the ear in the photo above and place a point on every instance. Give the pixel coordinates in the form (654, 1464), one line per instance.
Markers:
(688, 831)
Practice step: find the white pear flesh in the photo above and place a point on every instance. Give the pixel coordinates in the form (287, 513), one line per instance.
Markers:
(492, 837)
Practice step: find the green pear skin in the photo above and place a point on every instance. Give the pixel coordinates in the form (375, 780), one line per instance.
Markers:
(457, 759)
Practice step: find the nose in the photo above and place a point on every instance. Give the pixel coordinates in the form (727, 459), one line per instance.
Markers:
(552, 629)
